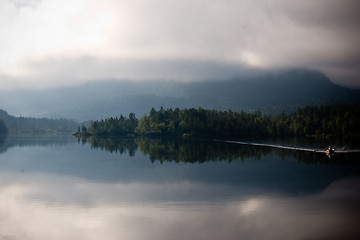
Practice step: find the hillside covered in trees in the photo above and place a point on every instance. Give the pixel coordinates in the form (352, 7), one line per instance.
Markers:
(270, 92)
(35, 125)
(324, 121)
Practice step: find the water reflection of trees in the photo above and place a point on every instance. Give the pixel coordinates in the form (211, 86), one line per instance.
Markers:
(200, 151)
(120, 145)
(2, 141)
(194, 151)
(24, 140)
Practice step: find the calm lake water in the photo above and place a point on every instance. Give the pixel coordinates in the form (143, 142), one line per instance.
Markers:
(59, 188)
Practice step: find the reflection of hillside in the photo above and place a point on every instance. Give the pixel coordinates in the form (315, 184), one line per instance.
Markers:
(177, 150)
(121, 145)
(193, 151)
(2, 141)
(200, 151)
(34, 140)
(268, 171)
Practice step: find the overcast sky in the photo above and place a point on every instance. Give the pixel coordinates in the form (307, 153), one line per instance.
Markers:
(49, 43)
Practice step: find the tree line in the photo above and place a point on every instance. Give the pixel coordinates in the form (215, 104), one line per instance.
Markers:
(13, 124)
(326, 121)
(118, 126)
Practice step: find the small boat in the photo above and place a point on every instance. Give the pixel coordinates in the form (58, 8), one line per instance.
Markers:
(330, 151)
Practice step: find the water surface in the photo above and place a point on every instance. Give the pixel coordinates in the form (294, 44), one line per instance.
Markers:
(59, 188)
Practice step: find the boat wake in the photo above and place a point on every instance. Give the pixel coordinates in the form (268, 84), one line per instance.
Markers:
(295, 148)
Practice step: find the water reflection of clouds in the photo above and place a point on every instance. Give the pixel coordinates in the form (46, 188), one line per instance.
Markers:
(58, 207)
(250, 206)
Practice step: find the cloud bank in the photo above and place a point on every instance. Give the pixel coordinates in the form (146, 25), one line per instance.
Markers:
(47, 43)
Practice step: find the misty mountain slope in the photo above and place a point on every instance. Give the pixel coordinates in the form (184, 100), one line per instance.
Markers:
(87, 98)
(283, 89)
(270, 92)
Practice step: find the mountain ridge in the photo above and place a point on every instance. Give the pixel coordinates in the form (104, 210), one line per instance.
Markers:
(270, 92)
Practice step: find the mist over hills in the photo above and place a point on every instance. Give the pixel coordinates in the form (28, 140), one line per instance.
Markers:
(269, 92)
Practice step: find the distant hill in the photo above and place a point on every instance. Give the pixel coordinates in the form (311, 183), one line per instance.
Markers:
(36, 125)
(273, 92)
(269, 92)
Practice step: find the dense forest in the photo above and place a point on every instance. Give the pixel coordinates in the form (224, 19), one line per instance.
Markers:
(3, 128)
(122, 126)
(323, 121)
(35, 125)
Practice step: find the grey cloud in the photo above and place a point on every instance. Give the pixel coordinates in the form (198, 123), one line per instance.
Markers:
(70, 71)
(176, 39)
(332, 14)
(312, 34)
(92, 68)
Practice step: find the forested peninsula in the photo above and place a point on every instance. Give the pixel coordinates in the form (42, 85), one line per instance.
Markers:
(319, 121)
